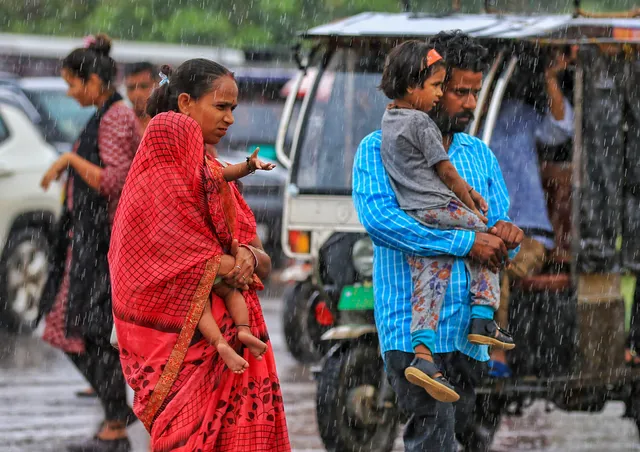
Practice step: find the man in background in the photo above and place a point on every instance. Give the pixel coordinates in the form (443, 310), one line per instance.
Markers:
(140, 80)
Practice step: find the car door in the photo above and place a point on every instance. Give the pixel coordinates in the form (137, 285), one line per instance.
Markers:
(24, 158)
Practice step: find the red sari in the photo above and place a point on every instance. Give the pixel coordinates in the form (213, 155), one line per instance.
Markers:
(176, 218)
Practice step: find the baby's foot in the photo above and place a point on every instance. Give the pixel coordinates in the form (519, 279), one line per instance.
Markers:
(235, 362)
(256, 347)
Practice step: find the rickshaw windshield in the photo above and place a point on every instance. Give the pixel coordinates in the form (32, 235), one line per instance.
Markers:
(347, 107)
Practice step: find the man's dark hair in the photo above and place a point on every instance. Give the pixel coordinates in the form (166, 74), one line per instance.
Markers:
(406, 68)
(460, 51)
(140, 67)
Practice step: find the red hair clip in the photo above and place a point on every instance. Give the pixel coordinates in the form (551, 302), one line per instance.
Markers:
(433, 57)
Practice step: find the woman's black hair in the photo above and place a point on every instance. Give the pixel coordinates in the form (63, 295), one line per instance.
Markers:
(194, 77)
(94, 59)
(406, 68)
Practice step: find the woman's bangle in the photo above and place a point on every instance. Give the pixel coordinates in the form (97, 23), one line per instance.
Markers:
(255, 256)
(250, 167)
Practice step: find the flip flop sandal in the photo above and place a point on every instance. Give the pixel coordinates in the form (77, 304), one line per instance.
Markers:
(634, 360)
(86, 394)
(498, 369)
(421, 373)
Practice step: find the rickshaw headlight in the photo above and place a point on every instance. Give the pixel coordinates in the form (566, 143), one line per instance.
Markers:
(362, 257)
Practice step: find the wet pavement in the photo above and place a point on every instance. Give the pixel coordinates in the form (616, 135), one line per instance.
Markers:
(39, 412)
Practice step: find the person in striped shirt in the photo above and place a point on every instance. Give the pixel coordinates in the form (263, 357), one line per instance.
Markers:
(433, 425)
(429, 188)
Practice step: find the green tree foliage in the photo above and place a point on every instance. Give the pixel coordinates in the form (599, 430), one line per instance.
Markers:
(251, 23)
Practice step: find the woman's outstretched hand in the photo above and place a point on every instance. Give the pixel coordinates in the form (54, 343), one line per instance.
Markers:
(256, 164)
(242, 273)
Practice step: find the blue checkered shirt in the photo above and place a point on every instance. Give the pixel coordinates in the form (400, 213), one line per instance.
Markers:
(395, 234)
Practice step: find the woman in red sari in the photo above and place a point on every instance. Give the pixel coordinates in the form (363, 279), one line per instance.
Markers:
(176, 223)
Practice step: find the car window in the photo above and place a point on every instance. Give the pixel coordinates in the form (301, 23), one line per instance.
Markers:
(4, 131)
(62, 117)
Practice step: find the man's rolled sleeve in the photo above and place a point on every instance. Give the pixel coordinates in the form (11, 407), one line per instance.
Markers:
(554, 132)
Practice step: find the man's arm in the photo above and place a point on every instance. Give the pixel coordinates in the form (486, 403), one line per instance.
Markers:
(553, 131)
(556, 127)
(386, 223)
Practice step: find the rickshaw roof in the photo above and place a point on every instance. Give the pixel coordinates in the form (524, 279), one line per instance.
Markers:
(488, 26)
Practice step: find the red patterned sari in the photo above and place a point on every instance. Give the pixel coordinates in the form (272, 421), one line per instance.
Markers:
(176, 218)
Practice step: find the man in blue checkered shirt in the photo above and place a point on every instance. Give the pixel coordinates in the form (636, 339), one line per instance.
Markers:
(433, 425)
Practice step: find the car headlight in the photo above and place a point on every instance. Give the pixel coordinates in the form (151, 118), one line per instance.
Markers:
(362, 257)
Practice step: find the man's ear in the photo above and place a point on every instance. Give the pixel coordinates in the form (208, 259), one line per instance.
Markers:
(184, 103)
(410, 90)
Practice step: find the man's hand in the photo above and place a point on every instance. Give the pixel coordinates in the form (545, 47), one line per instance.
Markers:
(559, 63)
(489, 250)
(510, 234)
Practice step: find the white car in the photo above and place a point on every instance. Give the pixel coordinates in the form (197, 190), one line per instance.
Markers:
(27, 216)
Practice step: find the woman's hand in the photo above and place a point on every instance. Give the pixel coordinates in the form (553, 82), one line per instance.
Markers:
(256, 164)
(242, 273)
(55, 171)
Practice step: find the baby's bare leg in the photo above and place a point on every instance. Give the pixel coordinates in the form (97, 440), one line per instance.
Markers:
(211, 332)
(237, 307)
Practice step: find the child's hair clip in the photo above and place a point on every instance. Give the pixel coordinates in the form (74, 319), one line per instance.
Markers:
(163, 79)
(433, 57)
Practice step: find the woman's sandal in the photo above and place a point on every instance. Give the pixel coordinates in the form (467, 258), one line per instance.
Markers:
(87, 393)
(421, 373)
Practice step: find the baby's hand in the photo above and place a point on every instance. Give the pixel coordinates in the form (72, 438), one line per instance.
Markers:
(479, 201)
(484, 219)
(256, 164)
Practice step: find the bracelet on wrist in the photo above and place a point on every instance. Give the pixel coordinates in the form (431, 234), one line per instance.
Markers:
(250, 167)
(255, 256)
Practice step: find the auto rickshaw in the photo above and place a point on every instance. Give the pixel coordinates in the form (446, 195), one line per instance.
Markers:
(577, 298)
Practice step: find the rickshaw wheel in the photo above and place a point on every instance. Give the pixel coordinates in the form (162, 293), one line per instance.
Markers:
(346, 403)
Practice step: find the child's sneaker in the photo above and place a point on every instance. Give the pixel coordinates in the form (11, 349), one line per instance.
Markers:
(487, 332)
(421, 373)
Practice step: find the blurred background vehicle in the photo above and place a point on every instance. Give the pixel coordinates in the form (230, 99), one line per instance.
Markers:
(44, 100)
(28, 214)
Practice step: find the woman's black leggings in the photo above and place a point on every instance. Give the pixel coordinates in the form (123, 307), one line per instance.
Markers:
(100, 365)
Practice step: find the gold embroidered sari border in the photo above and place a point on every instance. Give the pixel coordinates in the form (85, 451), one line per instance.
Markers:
(176, 358)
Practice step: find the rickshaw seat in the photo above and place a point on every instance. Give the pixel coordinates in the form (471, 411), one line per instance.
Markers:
(553, 282)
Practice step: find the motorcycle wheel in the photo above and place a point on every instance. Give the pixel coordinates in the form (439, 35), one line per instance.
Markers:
(346, 403)
(302, 330)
